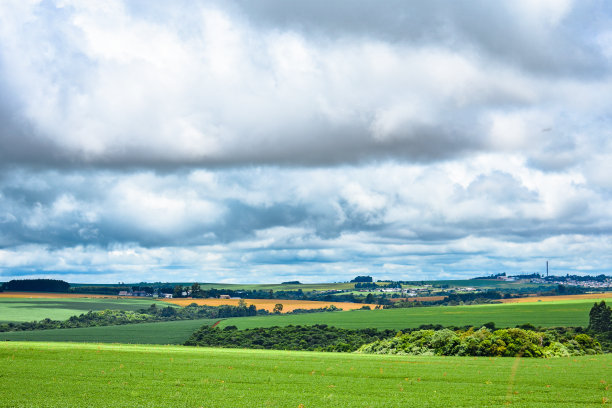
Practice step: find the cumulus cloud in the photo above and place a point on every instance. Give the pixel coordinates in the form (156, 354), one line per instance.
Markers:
(201, 138)
(448, 218)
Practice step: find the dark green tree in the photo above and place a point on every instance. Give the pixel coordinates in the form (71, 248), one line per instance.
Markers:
(178, 291)
(600, 318)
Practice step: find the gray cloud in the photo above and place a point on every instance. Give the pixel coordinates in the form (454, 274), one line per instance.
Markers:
(256, 83)
(507, 31)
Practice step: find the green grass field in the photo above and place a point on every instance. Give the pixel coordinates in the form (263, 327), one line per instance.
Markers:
(306, 287)
(26, 309)
(545, 314)
(176, 332)
(90, 375)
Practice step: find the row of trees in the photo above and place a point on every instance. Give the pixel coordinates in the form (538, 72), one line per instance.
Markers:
(318, 337)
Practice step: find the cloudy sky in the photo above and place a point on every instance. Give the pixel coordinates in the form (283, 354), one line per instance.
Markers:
(263, 141)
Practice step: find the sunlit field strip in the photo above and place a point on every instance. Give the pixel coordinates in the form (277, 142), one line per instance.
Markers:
(545, 314)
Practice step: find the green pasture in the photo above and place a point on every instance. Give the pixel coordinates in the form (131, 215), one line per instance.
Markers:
(105, 375)
(545, 314)
(174, 332)
(29, 309)
(306, 287)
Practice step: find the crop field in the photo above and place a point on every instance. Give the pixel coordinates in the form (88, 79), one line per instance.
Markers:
(25, 309)
(306, 287)
(63, 374)
(268, 304)
(55, 295)
(173, 332)
(545, 314)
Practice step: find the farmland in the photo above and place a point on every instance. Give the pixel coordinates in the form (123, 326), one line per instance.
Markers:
(61, 374)
(545, 314)
(268, 304)
(306, 287)
(174, 332)
(26, 309)
(56, 295)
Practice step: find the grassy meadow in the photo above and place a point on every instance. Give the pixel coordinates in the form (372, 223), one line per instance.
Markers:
(62, 374)
(174, 332)
(545, 314)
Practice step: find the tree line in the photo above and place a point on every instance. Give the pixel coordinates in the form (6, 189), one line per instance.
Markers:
(35, 285)
(319, 337)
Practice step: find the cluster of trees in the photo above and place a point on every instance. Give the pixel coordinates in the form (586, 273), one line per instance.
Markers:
(36, 285)
(486, 342)
(314, 338)
(362, 279)
(330, 308)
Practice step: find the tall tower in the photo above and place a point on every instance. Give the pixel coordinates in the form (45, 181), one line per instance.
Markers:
(547, 269)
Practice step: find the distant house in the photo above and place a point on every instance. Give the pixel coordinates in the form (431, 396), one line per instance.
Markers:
(224, 296)
(123, 293)
(167, 295)
(141, 293)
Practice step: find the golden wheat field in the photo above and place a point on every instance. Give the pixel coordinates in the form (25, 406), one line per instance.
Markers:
(268, 304)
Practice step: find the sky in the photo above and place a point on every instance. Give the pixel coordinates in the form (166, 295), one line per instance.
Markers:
(267, 141)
